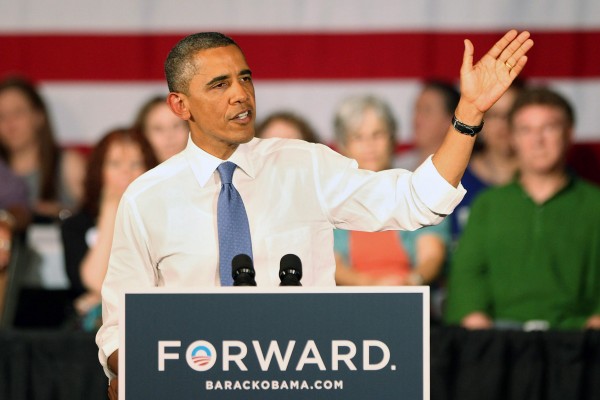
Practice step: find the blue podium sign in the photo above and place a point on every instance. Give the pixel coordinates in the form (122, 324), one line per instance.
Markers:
(292, 343)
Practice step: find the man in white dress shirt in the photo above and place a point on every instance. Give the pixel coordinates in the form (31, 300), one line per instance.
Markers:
(295, 193)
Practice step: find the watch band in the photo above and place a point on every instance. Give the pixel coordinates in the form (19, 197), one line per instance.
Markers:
(465, 129)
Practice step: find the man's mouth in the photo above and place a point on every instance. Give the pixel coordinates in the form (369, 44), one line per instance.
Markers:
(242, 115)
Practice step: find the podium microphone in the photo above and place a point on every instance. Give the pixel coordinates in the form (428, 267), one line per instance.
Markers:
(242, 271)
(290, 270)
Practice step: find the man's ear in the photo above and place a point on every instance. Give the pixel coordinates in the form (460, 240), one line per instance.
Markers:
(178, 104)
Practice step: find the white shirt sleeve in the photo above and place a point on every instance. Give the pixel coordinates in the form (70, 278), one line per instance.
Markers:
(357, 199)
(130, 267)
(434, 191)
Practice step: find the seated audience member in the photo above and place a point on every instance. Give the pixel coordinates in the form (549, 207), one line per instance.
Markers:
(432, 113)
(287, 125)
(13, 199)
(14, 212)
(119, 157)
(365, 130)
(14, 217)
(530, 254)
(54, 177)
(493, 161)
(167, 133)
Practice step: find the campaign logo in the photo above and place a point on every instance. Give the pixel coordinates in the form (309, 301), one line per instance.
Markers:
(201, 355)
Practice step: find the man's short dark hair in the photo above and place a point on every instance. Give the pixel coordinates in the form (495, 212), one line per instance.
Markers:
(542, 96)
(180, 66)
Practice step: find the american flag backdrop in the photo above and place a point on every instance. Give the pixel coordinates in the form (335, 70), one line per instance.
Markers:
(97, 61)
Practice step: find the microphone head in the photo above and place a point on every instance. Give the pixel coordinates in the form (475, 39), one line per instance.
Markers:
(290, 270)
(242, 270)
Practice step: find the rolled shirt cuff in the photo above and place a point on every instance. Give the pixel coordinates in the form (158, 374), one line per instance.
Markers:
(105, 350)
(437, 194)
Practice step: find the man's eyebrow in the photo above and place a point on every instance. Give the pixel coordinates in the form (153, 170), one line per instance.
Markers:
(217, 79)
(221, 78)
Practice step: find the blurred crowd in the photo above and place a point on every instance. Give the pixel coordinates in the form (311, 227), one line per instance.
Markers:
(522, 250)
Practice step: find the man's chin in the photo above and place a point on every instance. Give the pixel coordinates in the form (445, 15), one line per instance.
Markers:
(245, 137)
(249, 138)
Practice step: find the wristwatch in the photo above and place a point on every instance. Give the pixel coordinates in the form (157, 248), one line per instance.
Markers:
(465, 129)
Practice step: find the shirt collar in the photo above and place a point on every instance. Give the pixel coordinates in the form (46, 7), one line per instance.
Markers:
(572, 179)
(204, 165)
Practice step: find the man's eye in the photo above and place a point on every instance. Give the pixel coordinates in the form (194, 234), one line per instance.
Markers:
(220, 85)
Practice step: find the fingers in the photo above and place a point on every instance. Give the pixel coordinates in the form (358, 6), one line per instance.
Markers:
(516, 49)
(511, 48)
(113, 389)
(516, 70)
(510, 51)
(467, 63)
(501, 44)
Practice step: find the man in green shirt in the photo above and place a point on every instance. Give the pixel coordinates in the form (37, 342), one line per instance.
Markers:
(530, 254)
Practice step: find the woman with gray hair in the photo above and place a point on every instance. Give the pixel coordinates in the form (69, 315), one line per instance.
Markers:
(365, 130)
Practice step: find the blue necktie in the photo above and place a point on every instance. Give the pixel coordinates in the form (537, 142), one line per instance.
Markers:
(232, 220)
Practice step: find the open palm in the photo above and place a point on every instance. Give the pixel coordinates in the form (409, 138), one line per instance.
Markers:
(484, 83)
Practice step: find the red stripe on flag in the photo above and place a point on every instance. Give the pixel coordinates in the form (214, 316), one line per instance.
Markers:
(120, 57)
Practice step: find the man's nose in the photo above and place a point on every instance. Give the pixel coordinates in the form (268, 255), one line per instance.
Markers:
(239, 93)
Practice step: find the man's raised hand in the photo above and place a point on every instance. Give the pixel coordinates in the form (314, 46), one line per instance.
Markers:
(484, 83)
